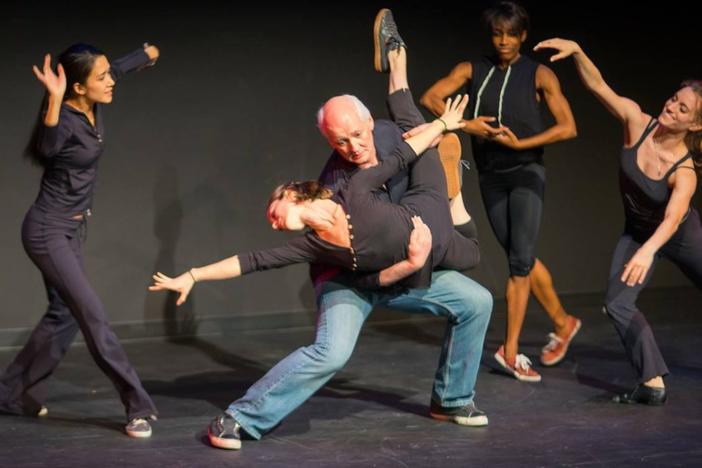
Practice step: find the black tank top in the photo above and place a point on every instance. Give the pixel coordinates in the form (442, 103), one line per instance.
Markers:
(645, 199)
(510, 96)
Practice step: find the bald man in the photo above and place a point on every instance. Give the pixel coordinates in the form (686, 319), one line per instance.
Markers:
(360, 142)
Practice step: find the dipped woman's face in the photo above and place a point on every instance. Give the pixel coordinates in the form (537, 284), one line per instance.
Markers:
(285, 214)
(681, 111)
(99, 85)
(507, 41)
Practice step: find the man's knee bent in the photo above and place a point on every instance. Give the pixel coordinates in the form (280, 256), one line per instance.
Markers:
(329, 358)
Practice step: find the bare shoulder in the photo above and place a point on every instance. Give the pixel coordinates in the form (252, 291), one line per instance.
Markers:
(545, 77)
(463, 70)
(684, 178)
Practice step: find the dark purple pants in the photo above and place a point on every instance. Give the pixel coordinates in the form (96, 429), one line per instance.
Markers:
(54, 245)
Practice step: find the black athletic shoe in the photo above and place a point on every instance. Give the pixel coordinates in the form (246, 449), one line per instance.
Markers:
(467, 415)
(385, 38)
(223, 432)
(644, 395)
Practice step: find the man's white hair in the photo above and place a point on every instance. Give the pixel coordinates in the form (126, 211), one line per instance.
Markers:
(361, 110)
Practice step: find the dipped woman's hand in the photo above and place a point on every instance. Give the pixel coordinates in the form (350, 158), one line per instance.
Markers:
(564, 48)
(453, 112)
(636, 269)
(181, 284)
(55, 84)
(419, 129)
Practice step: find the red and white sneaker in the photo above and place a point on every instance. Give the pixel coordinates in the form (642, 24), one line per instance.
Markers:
(557, 347)
(519, 367)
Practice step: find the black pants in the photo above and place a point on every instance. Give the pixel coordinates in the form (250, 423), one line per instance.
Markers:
(54, 245)
(685, 250)
(427, 195)
(514, 202)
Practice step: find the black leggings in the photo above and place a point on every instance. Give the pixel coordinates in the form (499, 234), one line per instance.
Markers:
(427, 195)
(514, 202)
(54, 245)
(685, 250)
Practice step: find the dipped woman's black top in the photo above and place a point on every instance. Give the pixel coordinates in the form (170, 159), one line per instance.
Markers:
(379, 230)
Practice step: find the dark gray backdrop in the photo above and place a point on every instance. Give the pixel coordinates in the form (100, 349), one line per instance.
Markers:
(195, 144)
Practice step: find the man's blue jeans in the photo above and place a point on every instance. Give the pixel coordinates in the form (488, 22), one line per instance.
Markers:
(342, 311)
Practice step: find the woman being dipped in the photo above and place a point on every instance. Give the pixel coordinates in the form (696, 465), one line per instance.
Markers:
(355, 229)
(657, 180)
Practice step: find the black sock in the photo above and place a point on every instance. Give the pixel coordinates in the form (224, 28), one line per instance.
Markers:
(469, 229)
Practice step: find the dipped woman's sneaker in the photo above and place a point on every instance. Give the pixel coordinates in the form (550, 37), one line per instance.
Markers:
(645, 395)
(385, 38)
(450, 157)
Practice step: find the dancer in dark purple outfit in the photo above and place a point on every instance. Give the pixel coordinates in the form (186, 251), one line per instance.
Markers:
(68, 142)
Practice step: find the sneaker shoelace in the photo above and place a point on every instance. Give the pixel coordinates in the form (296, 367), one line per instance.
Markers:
(553, 343)
(522, 362)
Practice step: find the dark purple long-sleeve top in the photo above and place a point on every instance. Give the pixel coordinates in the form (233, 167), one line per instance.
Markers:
(72, 149)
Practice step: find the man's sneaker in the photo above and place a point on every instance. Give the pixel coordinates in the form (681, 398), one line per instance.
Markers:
(42, 412)
(139, 428)
(450, 155)
(223, 432)
(467, 415)
(557, 347)
(385, 38)
(519, 367)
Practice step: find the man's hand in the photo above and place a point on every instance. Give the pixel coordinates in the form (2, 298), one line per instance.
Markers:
(419, 245)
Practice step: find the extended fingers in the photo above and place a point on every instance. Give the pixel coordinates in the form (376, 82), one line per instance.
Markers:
(37, 73)
(47, 64)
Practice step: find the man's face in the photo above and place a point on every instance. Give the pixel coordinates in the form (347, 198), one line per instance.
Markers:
(349, 134)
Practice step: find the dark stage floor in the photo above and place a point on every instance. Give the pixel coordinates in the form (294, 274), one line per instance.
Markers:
(374, 413)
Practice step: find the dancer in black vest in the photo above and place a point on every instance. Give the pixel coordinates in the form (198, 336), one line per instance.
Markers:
(657, 179)
(68, 142)
(508, 136)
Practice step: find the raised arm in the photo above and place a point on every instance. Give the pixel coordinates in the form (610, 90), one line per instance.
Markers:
(563, 129)
(625, 110)
(451, 119)
(684, 181)
(134, 61)
(434, 100)
(51, 137)
(412, 147)
(55, 84)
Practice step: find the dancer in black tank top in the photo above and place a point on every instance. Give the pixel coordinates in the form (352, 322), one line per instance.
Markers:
(657, 179)
(508, 147)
